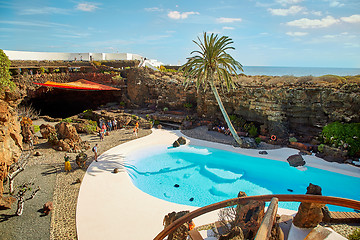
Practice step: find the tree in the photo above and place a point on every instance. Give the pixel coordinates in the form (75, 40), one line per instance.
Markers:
(4, 72)
(213, 65)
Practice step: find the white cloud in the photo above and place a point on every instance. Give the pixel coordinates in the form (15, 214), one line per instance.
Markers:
(297, 34)
(35, 24)
(228, 20)
(317, 13)
(286, 11)
(228, 28)
(314, 23)
(44, 10)
(154, 9)
(87, 7)
(352, 19)
(335, 3)
(179, 15)
(288, 2)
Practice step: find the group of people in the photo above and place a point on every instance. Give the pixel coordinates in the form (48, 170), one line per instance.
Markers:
(67, 158)
(106, 127)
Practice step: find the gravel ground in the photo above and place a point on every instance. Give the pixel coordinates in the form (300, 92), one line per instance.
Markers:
(47, 171)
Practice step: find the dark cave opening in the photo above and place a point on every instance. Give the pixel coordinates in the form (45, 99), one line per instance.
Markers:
(59, 103)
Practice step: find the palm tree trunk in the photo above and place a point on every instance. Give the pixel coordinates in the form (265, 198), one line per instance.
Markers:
(224, 113)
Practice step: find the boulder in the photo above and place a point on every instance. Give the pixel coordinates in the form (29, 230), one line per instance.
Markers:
(235, 234)
(181, 233)
(48, 206)
(331, 154)
(309, 215)
(6, 202)
(296, 160)
(182, 140)
(263, 152)
(49, 132)
(301, 146)
(249, 216)
(176, 144)
(67, 131)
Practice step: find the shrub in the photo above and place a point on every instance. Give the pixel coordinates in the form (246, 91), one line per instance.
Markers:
(122, 104)
(345, 135)
(96, 63)
(91, 126)
(258, 140)
(5, 77)
(28, 111)
(355, 235)
(321, 147)
(165, 109)
(292, 139)
(188, 105)
(36, 128)
(68, 120)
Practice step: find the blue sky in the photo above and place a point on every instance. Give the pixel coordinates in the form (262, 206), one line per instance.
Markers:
(304, 33)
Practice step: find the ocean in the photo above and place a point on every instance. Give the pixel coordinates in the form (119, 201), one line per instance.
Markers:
(299, 71)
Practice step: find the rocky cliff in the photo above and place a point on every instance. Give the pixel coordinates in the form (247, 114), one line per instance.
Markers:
(10, 133)
(282, 105)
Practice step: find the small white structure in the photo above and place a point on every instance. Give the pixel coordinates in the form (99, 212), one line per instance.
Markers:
(53, 56)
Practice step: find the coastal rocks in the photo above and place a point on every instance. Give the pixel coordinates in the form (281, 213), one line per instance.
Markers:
(248, 143)
(296, 160)
(309, 215)
(10, 133)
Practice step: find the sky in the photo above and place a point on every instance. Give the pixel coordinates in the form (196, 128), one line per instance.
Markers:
(297, 33)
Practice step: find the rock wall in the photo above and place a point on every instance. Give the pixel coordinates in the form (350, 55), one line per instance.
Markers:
(283, 105)
(10, 133)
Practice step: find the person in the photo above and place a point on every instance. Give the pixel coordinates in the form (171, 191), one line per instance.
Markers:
(101, 134)
(135, 131)
(114, 124)
(67, 163)
(95, 149)
(137, 127)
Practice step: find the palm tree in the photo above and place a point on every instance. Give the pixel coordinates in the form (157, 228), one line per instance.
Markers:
(213, 65)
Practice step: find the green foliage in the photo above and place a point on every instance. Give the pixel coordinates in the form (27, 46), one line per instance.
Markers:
(346, 135)
(355, 235)
(96, 63)
(321, 147)
(134, 117)
(42, 70)
(188, 105)
(68, 120)
(91, 127)
(164, 69)
(36, 128)
(251, 129)
(292, 139)
(165, 109)
(238, 122)
(122, 104)
(5, 77)
(156, 122)
(258, 140)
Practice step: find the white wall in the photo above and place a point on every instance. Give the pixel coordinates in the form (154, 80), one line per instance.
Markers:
(52, 56)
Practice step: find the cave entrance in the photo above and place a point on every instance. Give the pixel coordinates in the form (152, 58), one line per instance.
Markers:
(60, 103)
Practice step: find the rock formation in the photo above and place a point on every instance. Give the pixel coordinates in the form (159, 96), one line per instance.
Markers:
(181, 232)
(10, 134)
(296, 160)
(309, 215)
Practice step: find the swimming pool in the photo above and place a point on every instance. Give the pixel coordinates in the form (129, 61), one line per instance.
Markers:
(199, 176)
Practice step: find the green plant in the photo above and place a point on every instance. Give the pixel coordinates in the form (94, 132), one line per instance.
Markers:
(258, 140)
(134, 117)
(292, 139)
(188, 105)
(156, 122)
(42, 70)
(321, 147)
(5, 77)
(122, 104)
(68, 120)
(345, 135)
(36, 128)
(165, 109)
(355, 235)
(91, 126)
(253, 131)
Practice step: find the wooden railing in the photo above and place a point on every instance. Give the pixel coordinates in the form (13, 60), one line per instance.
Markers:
(266, 198)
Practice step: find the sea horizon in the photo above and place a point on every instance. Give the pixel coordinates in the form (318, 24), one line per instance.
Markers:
(299, 71)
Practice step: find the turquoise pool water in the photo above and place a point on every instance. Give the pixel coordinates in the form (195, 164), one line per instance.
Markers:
(198, 176)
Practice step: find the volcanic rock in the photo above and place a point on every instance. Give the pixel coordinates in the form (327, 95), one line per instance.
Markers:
(296, 160)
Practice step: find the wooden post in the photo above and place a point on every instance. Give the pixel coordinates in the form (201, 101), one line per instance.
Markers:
(268, 221)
